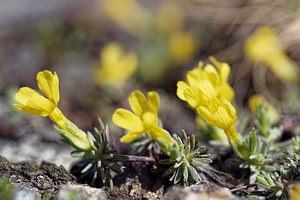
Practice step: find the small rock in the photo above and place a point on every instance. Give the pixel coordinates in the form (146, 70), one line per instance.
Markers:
(24, 191)
(80, 192)
(194, 192)
(37, 151)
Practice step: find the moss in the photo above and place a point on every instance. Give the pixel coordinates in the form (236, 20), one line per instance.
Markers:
(6, 190)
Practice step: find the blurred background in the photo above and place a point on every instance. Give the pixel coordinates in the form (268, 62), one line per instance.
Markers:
(103, 50)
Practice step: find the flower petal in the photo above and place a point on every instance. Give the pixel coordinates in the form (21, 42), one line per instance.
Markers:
(153, 100)
(24, 94)
(193, 76)
(225, 91)
(211, 74)
(181, 87)
(33, 102)
(49, 85)
(129, 137)
(138, 103)
(192, 96)
(224, 69)
(127, 120)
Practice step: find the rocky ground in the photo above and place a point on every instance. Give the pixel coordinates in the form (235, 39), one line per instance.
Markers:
(40, 171)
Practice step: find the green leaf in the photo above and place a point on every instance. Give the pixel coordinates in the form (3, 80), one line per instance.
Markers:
(176, 165)
(77, 153)
(193, 142)
(174, 153)
(99, 163)
(114, 166)
(107, 156)
(86, 168)
(194, 154)
(102, 126)
(91, 139)
(203, 160)
(184, 136)
(162, 143)
(102, 172)
(185, 174)
(169, 171)
(179, 174)
(194, 173)
(187, 149)
(252, 141)
(94, 177)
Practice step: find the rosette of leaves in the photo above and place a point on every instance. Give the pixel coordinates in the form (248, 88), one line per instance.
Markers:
(101, 160)
(272, 182)
(260, 156)
(276, 183)
(184, 160)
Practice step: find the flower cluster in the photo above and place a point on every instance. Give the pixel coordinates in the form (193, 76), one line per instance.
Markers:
(264, 47)
(115, 66)
(206, 89)
(34, 103)
(143, 120)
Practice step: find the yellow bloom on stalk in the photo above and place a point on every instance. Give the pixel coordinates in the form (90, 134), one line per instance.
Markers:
(34, 103)
(206, 89)
(115, 66)
(214, 132)
(182, 46)
(220, 113)
(202, 84)
(256, 100)
(128, 14)
(264, 47)
(143, 119)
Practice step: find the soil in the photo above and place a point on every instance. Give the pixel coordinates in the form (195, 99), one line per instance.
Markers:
(44, 178)
(132, 189)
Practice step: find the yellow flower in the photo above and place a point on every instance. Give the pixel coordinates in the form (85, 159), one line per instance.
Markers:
(169, 17)
(264, 47)
(34, 103)
(203, 84)
(256, 100)
(128, 14)
(182, 46)
(115, 66)
(143, 120)
(294, 191)
(213, 132)
(220, 113)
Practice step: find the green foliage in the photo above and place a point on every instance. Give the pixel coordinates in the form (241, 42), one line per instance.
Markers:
(6, 190)
(263, 122)
(259, 154)
(184, 160)
(101, 160)
(287, 172)
(296, 143)
(272, 182)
